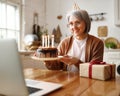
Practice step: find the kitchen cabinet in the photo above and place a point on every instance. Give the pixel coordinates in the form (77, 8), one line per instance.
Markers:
(117, 11)
(112, 56)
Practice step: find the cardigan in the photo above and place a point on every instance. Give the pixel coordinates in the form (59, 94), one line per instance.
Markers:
(93, 52)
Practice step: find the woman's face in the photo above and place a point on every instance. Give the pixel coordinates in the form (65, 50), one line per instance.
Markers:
(76, 26)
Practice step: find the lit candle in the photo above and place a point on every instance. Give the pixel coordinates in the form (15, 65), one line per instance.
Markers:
(43, 40)
(52, 37)
(48, 40)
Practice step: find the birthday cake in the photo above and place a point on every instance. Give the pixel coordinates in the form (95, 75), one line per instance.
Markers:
(47, 52)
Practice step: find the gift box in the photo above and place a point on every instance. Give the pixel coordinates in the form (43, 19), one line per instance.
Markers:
(97, 70)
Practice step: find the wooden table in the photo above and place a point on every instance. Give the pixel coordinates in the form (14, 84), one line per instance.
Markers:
(74, 85)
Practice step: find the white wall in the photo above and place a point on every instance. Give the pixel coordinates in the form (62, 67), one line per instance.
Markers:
(31, 7)
(56, 7)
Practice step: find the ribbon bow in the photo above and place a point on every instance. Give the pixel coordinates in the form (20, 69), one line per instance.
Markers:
(97, 62)
(94, 63)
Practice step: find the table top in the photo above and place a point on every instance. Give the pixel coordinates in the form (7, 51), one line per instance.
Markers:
(73, 84)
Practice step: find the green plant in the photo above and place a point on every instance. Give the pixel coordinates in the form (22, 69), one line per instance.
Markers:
(111, 45)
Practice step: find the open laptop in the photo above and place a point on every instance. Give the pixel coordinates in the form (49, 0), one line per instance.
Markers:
(12, 82)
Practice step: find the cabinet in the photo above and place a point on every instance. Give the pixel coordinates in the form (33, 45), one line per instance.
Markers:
(113, 57)
(117, 12)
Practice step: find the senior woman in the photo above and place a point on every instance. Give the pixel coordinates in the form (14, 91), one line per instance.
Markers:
(80, 46)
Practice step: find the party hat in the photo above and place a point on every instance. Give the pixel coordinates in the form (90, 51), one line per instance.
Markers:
(75, 6)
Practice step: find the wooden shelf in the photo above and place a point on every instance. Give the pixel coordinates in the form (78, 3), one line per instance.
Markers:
(112, 50)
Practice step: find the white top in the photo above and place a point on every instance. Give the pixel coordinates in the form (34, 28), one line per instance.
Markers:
(77, 50)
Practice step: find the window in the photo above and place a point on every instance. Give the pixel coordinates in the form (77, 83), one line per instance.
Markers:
(9, 20)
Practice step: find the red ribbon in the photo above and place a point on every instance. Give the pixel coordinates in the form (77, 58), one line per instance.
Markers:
(97, 62)
(94, 63)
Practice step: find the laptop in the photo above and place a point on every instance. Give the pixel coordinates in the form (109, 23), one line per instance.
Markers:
(12, 81)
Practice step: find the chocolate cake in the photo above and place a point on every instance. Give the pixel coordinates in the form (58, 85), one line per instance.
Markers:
(47, 52)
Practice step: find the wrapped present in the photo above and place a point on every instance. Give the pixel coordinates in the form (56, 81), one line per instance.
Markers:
(97, 70)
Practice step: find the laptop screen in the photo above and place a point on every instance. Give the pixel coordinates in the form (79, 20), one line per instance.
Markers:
(12, 81)
(11, 72)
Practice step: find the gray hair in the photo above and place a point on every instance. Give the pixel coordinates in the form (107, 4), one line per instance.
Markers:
(81, 15)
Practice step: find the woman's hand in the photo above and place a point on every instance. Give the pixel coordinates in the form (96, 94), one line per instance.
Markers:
(69, 60)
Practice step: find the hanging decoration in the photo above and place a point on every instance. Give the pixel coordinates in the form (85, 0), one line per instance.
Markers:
(36, 27)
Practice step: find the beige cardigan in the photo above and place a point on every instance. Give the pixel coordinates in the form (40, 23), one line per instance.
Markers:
(94, 51)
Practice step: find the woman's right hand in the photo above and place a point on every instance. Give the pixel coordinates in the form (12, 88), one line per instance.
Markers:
(69, 60)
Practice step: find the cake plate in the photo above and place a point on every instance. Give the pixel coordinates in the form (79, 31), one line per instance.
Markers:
(46, 59)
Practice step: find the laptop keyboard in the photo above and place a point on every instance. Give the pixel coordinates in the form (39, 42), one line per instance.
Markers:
(32, 90)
